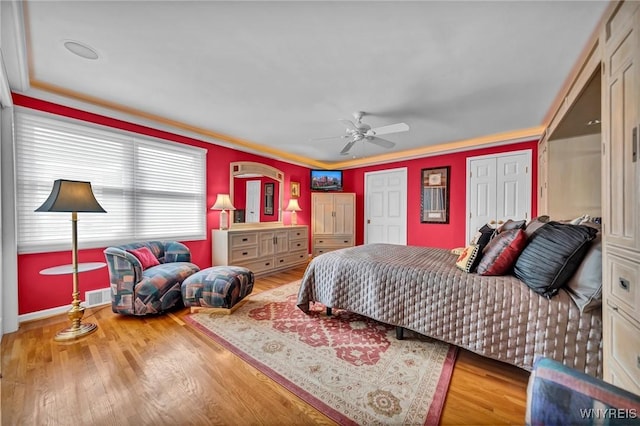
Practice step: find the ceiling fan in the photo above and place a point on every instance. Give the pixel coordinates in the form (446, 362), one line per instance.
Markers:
(361, 131)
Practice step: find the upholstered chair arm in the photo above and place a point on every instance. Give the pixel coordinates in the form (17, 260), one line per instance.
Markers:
(123, 266)
(176, 252)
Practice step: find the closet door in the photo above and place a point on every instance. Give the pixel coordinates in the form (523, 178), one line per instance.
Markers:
(498, 189)
(513, 187)
(620, 131)
(482, 197)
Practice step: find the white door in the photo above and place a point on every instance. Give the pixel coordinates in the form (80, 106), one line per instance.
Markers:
(498, 189)
(252, 213)
(481, 199)
(385, 207)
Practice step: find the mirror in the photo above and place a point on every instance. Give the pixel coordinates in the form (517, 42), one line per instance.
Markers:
(256, 191)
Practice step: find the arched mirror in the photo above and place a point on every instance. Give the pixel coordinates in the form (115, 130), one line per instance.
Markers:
(256, 192)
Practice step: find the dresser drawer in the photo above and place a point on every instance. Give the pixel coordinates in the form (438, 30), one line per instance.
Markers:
(241, 240)
(346, 241)
(624, 277)
(241, 254)
(291, 259)
(258, 266)
(317, 251)
(625, 346)
(298, 234)
(297, 245)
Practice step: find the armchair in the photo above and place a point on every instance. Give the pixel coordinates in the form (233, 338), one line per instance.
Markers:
(147, 285)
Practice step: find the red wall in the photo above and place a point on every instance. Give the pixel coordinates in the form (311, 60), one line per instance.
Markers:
(39, 292)
(428, 234)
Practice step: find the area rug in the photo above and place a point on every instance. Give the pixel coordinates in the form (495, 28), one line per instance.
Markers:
(349, 367)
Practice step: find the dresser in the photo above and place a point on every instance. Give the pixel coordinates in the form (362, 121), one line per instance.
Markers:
(621, 196)
(263, 250)
(333, 216)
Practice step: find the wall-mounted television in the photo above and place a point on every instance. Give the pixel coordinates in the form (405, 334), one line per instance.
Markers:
(326, 180)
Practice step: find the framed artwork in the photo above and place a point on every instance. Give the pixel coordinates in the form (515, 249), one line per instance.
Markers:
(295, 189)
(268, 198)
(434, 200)
(238, 216)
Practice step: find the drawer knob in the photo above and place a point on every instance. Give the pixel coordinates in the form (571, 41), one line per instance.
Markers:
(345, 241)
(321, 241)
(245, 239)
(281, 260)
(638, 361)
(244, 253)
(624, 284)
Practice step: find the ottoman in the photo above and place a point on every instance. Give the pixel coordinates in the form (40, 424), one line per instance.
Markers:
(217, 288)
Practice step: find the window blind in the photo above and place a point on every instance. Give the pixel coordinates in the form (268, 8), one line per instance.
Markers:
(151, 189)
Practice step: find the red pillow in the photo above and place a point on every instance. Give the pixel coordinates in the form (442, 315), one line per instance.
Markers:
(144, 255)
(502, 252)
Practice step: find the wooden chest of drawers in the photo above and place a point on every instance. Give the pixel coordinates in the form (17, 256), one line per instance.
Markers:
(262, 250)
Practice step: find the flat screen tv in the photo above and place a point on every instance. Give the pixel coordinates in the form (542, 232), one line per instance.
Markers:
(326, 180)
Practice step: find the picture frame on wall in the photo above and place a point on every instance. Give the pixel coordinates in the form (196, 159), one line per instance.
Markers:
(434, 197)
(268, 198)
(295, 189)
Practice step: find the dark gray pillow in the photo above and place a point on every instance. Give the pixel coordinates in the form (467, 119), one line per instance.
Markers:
(552, 255)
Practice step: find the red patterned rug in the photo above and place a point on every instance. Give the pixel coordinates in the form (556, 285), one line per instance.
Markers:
(349, 367)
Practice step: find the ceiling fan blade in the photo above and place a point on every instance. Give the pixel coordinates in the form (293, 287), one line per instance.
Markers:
(349, 125)
(391, 128)
(347, 147)
(381, 142)
(329, 137)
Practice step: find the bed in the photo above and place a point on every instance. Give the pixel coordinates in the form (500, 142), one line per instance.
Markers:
(421, 289)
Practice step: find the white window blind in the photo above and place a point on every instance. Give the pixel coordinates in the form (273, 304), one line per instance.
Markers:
(150, 189)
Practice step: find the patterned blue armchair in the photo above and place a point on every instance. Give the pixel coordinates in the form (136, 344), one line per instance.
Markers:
(559, 395)
(141, 286)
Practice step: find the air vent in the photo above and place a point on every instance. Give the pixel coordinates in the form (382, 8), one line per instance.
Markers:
(97, 297)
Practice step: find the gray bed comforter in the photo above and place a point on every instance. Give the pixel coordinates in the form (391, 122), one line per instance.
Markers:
(420, 288)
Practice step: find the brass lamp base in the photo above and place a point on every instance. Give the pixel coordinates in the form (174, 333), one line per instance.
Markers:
(75, 314)
(71, 333)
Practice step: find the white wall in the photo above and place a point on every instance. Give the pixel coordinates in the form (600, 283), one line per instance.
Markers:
(574, 177)
(11, 46)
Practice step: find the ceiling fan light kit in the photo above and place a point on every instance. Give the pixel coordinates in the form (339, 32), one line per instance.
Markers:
(362, 131)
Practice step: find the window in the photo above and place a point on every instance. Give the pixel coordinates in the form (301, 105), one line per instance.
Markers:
(151, 189)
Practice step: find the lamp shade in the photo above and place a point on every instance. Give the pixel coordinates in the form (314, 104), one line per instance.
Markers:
(293, 205)
(71, 196)
(223, 202)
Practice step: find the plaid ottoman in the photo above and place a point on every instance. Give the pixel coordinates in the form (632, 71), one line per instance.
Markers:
(217, 287)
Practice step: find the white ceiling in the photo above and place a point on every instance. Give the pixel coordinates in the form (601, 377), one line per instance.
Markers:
(279, 73)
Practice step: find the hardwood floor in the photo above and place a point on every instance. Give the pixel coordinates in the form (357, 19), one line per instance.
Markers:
(161, 371)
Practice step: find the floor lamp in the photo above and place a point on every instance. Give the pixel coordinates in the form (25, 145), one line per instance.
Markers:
(74, 197)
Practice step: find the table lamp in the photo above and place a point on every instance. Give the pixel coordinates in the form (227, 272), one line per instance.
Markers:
(293, 207)
(223, 202)
(74, 197)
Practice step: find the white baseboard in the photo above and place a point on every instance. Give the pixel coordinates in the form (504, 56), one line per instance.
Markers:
(44, 313)
(92, 299)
